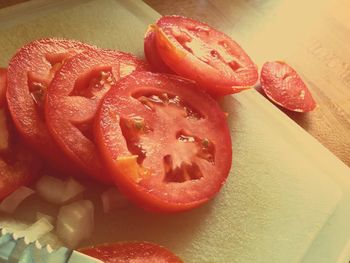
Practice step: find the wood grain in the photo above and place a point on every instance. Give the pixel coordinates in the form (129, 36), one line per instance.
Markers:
(312, 36)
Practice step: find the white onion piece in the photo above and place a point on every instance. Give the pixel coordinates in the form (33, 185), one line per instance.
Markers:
(75, 222)
(35, 231)
(72, 190)
(57, 191)
(51, 189)
(11, 202)
(113, 199)
(4, 134)
(49, 218)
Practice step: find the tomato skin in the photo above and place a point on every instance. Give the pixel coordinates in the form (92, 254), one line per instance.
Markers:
(283, 85)
(152, 192)
(72, 102)
(218, 79)
(34, 66)
(136, 252)
(3, 73)
(152, 55)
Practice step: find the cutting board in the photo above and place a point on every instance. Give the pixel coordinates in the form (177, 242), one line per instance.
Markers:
(287, 198)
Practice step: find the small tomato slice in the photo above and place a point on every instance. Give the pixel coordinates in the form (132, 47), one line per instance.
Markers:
(152, 55)
(283, 85)
(166, 143)
(197, 51)
(3, 72)
(135, 252)
(73, 97)
(30, 72)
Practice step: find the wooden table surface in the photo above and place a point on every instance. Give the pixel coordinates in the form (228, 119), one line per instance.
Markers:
(313, 36)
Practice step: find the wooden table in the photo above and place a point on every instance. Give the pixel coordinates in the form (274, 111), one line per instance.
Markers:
(313, 36)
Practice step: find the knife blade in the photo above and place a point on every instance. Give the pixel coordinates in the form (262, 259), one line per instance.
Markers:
(15, 249)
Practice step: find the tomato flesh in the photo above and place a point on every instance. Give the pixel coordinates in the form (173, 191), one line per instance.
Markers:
(73, 98)
(282, 84)
(166, 143)
(30, 72)
(196, 51)
(136, 252)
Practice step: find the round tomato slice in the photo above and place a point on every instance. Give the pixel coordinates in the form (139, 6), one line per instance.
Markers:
(152, 55)
(135, 252)
(282, 84)
(30, 72)
(166, 143)
(73, 98)
(199, 52)
(3, 72)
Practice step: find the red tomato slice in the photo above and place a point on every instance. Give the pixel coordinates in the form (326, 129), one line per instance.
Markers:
(18, 165)
(135, 252)
(152, 55)
(282, 84)
(3, 72)
(166, 144)
(199, 52)
(29, 73)
(73, 97)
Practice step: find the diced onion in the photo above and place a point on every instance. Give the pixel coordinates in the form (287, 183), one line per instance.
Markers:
(11, 202)
(4, 134)
(57, 191)
(75, 222)
(35, 231)
(51, 189)
(113, 199)
(72, 190)
(49, 218)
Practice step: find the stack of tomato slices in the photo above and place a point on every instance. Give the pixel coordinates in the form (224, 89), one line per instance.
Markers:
(159, 136)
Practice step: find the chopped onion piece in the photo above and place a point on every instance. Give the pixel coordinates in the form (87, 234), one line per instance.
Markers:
(57, 191)
(4, 134)
(113, 199)
(35, 231)
(75, 222)
(49, 218)
(51, 189)
(11, 202)
(72, 190)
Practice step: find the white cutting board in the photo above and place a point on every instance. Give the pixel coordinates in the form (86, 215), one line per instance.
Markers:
(287, 198)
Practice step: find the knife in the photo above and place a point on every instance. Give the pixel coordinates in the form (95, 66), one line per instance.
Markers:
(18, 250)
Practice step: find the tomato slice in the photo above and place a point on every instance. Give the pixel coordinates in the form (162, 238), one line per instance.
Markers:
(18, 165)
(197, 51)
(166, 143)
(73, 98)
(3, 72)
(152, 55)
(30, 72)
(282, 84)
(136, 252)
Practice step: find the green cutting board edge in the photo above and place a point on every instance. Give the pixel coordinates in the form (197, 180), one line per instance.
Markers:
(287, 198)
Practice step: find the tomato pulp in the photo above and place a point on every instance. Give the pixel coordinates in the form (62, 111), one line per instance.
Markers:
(166, 143)
(283, 85)
(136, 252)
(30, 72)
(72, 100)
(197, 51)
